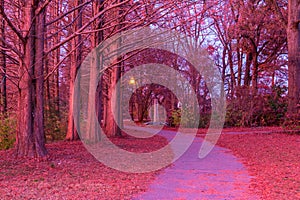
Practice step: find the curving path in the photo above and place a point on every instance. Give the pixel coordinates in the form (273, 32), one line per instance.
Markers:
(218, 176)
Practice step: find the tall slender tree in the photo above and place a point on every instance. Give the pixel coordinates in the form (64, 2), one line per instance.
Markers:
(3, 72)
(72, 133)
(293, 32)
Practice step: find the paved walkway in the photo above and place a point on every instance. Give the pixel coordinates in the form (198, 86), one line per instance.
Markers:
(218, 176)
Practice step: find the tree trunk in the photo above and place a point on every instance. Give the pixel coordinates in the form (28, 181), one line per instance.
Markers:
(56, 61)
(112, 109)
(240, 63)
(247, 77)
(30, 140)
(111, 128)
(224, 65)
(39, 85)
(3, 97)
(47, 89)
(95, 99)
(93, 132)
(72, 133)
(293, 34)
(255, 73)
(232, 74)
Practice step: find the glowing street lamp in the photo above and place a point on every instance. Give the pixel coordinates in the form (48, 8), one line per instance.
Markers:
(132, 81)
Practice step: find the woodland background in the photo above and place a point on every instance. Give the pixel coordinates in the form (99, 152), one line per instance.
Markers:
(253, 43)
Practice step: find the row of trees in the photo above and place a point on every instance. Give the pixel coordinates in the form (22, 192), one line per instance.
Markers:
(43, 43)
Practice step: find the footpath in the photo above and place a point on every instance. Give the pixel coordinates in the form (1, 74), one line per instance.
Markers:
(220, 175)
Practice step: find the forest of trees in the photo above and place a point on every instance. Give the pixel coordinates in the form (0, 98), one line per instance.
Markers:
(255, 44)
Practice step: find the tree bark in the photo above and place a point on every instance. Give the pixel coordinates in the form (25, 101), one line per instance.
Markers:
(254, 73)
(95, 99)
(39, 85)
(112, 106)
(240, 63)
(30, 141)
(232, 74)
(3, 65)
(56, 60)
(72, 133)
(247, 78)
(110, 127)
(293, 34)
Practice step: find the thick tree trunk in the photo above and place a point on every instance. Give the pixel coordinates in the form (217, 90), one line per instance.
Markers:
(111, 128)
(112, 107)
(293, 33)
(30, 136)
(39, 85)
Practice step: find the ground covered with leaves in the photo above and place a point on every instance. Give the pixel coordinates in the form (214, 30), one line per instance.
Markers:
(273, 159)
(73, 173)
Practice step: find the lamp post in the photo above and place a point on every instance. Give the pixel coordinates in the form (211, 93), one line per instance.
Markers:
(132, 82)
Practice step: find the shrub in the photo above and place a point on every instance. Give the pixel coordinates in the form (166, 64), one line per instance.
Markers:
(189, 121)
(267, 109)
(292, 122)
(175, 118)
(7, 132)
(55, 125)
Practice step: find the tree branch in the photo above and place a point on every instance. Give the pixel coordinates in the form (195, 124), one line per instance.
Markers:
(62, 60)
(70, 11)
(39, 9)
(10, 47)
(85, 26)
(10, 24)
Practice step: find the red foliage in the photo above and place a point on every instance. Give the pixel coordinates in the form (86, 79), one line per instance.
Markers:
(72, 173)
(273, 159)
